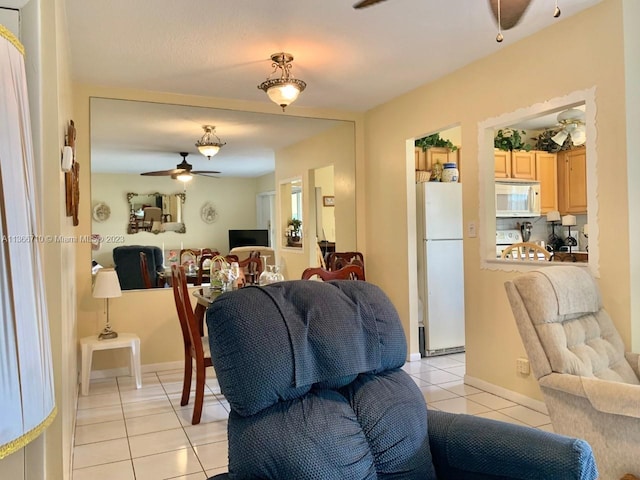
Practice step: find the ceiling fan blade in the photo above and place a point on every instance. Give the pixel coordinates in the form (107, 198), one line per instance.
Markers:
(366, 3)
(511, 11)
(205, 173)
(164, 173)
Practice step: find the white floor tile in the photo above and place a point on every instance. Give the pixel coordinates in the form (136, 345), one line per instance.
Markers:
(216, 471)
(458, 387)
(158, 442)
(129, 383)
(110, 471)
(492, 401)
(99, 432)
(98, 415)
(101, 400)
(141, 409)
(458, 371)
(412, 367)
(213, 412)
(526, 415)
(441, 361)
(152, 423)
(435, 377)
(493, 415)
(100, 453)
(192, 476)
(460, 405)
(167, 465)
(207, 432)
(103, 385)
(433, 393)
(547, 428)
(145, 394)
(460, 357)
(213, 455)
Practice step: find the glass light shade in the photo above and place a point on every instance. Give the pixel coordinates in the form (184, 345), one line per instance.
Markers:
(560, 137)
(208, 150)
(184, 177)
(553, 216)
(283, 94)
(106, 284)
(579, 135)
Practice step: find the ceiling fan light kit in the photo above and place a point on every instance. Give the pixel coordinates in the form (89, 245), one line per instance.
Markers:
(183, 172)
(209, 144)
(572, 122)
(285, 89)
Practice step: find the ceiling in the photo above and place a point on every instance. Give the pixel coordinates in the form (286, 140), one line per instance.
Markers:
(351, 59)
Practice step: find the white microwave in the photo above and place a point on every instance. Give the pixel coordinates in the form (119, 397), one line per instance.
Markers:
(517, 199)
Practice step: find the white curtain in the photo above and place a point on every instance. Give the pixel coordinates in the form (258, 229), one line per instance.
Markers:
(27, 404)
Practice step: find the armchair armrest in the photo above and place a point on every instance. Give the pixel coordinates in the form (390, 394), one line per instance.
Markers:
(603, 395)
(634, 361)
(464, 446)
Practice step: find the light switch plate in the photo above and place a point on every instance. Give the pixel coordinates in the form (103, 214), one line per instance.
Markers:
(472, 230)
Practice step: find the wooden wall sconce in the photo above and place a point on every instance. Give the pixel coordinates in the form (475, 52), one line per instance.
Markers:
(71, 177)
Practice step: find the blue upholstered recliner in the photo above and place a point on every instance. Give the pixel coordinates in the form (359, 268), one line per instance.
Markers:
(312, 373)
(127, 263)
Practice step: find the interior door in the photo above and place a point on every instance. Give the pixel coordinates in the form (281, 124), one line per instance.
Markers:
(266, 203)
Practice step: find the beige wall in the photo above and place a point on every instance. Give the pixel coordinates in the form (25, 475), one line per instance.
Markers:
(520, 75)
(233, 198)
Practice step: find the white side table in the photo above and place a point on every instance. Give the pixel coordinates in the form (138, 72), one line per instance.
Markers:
(88, 345)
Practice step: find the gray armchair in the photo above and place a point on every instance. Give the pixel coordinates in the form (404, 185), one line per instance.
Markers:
(590, 385)
(127, 263)
(312, 372)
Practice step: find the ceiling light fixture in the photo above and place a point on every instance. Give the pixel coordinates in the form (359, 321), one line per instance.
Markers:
(285, 89)
(184, 177)
(209, 144)
(509, 16)
(572, 122)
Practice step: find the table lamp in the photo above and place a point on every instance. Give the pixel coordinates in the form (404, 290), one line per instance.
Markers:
(570, 221)
(553, 217)
(107, 286)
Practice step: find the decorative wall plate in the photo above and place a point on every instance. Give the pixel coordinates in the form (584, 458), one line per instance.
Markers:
(208, 213)
(101, 212)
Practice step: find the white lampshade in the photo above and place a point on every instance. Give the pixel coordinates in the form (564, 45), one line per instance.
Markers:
(107, 284)
(156, 227)
(184, 177)
(283, 94)
(569, 220)
(585, 229)
(553, 216)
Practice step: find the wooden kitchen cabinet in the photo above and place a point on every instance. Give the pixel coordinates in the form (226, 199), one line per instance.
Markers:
(517, 164)
(547, 175)
(426, 159)
(572, 181)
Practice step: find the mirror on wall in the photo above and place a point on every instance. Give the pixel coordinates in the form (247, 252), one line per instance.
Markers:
(291, 211)
(130, 137)
(155, 213)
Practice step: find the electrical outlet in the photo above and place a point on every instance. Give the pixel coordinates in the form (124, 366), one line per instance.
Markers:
(522, 366)
(472, 229)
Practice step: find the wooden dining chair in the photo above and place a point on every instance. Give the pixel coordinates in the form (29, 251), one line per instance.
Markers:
(144, 271)
(196, 347)
(526, 251)
(203, 271)
(338, 260)
(251, 267)
(349, 272)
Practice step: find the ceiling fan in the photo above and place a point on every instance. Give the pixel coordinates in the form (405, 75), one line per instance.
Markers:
(571, 123)
(182, 172)
(506, 12)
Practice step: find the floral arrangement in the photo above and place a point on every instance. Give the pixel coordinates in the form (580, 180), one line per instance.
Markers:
(508, 139)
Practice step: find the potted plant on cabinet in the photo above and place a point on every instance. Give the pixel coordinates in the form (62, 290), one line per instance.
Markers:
(293, 233)
(508, 139)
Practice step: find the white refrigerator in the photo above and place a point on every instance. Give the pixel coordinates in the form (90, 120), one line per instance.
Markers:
(440, 266)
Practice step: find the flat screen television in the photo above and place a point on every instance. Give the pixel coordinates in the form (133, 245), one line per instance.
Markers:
(246, 238)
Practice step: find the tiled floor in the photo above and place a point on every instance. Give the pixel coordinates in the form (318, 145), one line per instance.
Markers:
(124, 433)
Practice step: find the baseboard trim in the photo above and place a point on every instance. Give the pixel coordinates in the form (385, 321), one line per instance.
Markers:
(149, 368)
(528, 402)
(414, 357)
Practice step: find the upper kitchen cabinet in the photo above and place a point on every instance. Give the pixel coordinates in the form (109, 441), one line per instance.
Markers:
(547, 175)
(425, 159)
(572, 181)
(518, 164)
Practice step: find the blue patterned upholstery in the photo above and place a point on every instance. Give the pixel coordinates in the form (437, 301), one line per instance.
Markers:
(312, 373)
(127, 263)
